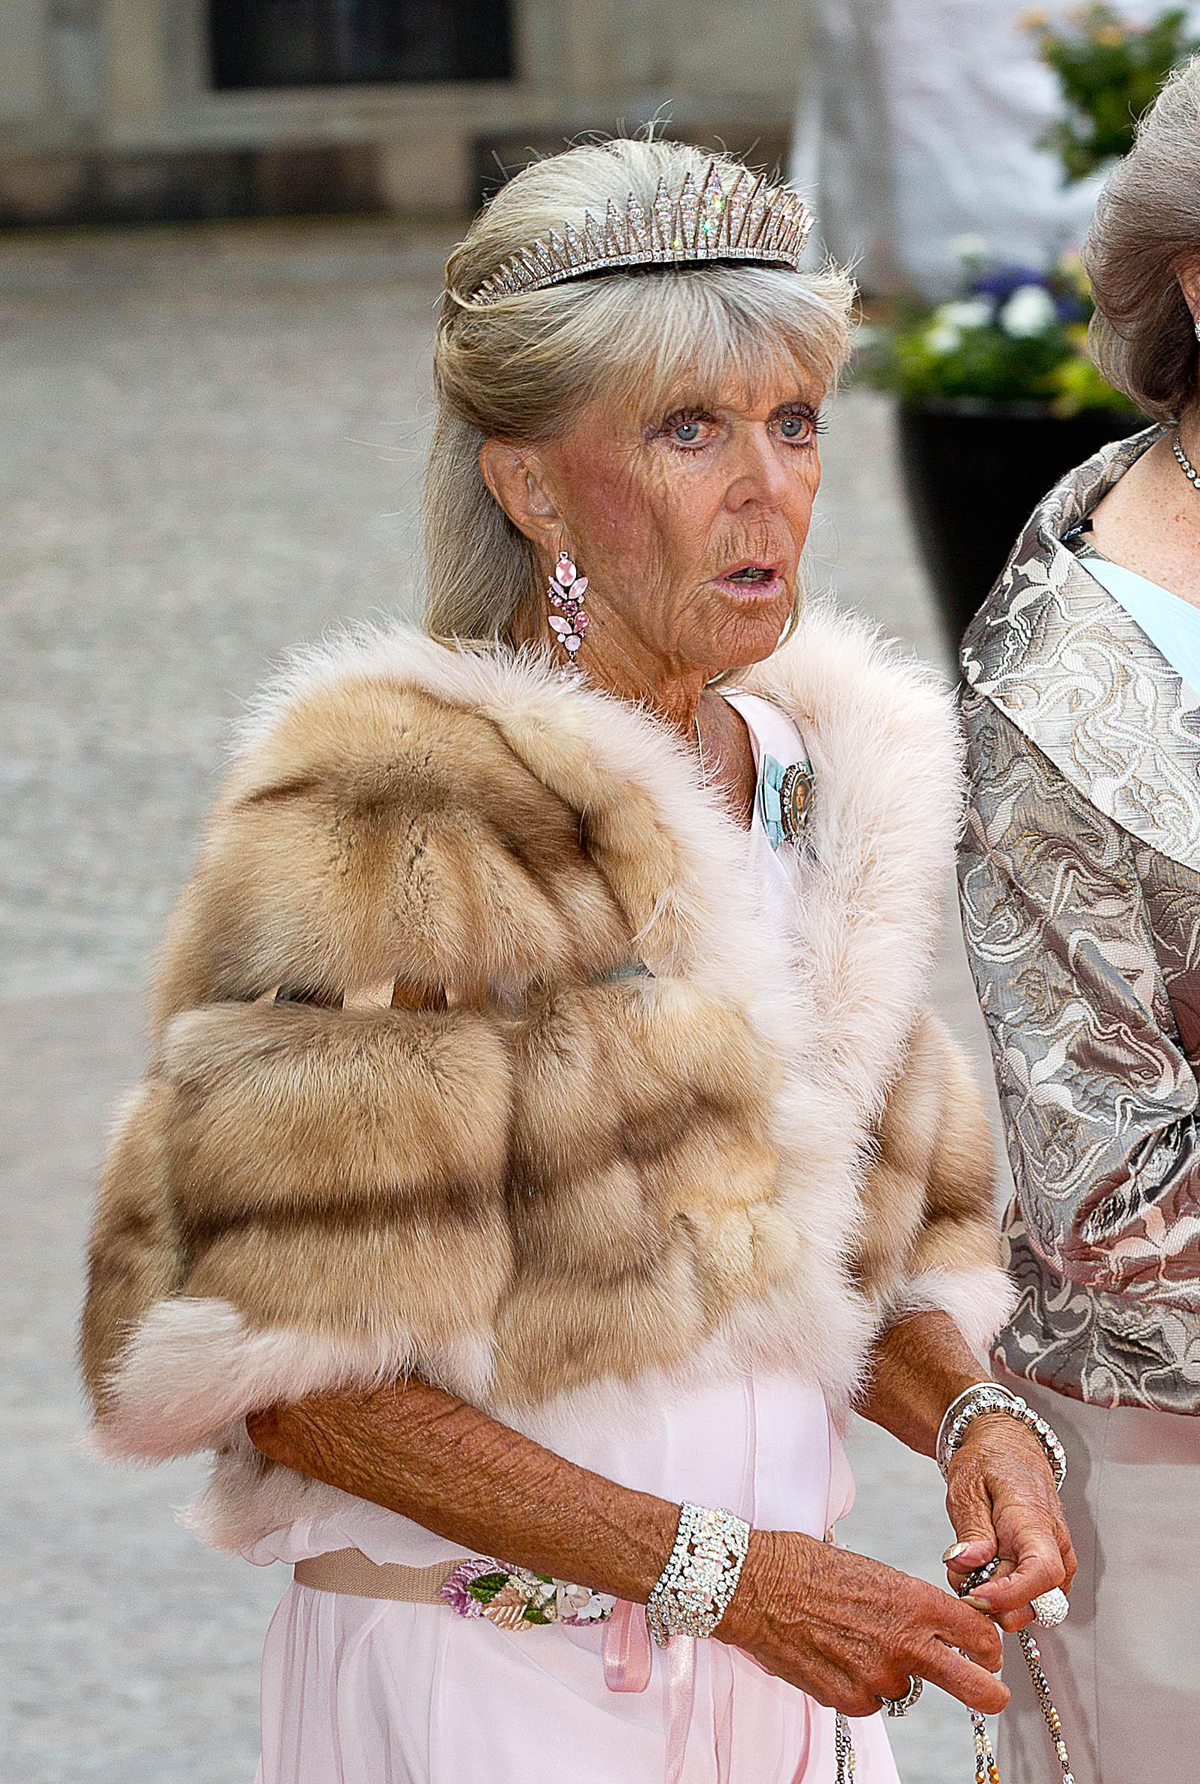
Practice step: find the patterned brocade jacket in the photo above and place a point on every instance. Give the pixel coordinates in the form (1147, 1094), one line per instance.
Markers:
(1080, 886)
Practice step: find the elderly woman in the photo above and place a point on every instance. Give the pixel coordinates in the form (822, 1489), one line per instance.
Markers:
(1081, 898)
(497, 1205)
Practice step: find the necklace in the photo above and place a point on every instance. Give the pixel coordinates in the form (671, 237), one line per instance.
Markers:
(1185, 464)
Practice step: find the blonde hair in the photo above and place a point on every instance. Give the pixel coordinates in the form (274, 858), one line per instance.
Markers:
(1147, 225)
(521, 369)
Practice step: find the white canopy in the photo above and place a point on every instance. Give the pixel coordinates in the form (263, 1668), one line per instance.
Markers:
(916, 127)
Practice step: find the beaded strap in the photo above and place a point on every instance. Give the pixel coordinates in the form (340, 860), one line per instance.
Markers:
(843, 1748)
(1041, 1690)
(692, 1593)
(986, 1769)
(986, 1397)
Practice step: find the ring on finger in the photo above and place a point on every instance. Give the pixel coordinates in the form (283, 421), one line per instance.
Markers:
(1050, 1608)
(898, 1706)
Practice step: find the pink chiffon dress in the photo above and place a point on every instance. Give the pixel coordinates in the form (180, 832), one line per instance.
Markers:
(373, 1691)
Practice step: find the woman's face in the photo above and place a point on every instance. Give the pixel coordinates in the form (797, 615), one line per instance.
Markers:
(689, 524)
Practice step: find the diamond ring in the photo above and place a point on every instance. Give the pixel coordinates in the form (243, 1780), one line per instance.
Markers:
(897, 1706)
(1050, 1608)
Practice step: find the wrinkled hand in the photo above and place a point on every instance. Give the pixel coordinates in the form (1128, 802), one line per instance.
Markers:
(1002, 1501)
(849, 1631)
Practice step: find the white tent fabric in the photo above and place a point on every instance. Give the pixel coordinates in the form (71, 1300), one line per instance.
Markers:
(917, 126)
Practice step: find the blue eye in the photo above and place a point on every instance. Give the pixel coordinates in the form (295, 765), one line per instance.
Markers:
(685, 427)
(793, 427)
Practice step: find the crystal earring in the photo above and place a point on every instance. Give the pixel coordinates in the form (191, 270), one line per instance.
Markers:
(566, 592)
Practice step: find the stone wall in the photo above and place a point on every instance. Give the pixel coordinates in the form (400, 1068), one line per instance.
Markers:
(107, 113)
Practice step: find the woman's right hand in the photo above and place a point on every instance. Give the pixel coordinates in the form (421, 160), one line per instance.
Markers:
(850, 1631)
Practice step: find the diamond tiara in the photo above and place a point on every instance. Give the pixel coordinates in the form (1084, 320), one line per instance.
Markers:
(748, 220)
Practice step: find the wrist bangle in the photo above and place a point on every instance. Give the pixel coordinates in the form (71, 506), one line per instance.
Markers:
(693, 1591)
(989, 1396)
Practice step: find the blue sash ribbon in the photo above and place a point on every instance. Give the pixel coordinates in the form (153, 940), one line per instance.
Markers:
(784, 798)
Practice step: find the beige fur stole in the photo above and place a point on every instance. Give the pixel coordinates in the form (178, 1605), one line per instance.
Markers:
(608, 1127)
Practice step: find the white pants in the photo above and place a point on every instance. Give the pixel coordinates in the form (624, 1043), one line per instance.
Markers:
(1124, 1669)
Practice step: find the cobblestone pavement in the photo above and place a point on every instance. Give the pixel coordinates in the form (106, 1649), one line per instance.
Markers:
(211, 442)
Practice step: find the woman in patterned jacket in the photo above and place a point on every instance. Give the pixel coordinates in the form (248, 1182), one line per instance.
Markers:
(1080, 883)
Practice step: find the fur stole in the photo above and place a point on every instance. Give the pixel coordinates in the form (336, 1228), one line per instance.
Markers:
(597, 1125)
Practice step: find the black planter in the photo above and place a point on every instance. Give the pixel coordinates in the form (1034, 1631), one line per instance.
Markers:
(973, 473)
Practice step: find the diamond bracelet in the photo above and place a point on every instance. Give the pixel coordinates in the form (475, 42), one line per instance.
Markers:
(693, 1591)
(989, 1396)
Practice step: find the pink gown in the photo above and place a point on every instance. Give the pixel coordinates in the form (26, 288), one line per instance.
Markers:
(370, 1691)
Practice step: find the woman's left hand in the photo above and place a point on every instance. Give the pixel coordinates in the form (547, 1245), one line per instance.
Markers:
(1002, 1501)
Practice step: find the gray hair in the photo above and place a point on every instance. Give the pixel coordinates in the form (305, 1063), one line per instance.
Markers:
(520, 369)
(1146, 227)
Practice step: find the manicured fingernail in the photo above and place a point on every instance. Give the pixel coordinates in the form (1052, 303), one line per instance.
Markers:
(977, 1604)
(955, 1550)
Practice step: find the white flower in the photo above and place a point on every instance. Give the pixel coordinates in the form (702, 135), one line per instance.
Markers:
(598, 1608)
(970, 247)
(971, 312)
(942, 339)
(580, 1604)
(1029, 311)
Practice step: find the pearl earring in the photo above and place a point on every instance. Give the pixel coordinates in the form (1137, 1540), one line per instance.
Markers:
(566, 592)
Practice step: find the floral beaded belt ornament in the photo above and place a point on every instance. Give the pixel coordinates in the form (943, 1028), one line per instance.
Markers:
(515, 1598)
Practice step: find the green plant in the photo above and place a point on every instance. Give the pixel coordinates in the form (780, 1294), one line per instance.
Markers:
(1015, 335)
(1109, 71)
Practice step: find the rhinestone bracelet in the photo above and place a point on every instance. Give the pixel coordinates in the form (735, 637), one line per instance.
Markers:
(692, 1593)
(989, 1396)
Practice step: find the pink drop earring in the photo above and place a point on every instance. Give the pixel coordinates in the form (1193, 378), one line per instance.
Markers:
(566, 592)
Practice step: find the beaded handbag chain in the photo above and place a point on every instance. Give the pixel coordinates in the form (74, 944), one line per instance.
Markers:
(986, 1769)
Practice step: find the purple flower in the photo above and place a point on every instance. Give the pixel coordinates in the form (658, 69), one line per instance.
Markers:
(1001, 280)
(1070, 306)
(456, 1590)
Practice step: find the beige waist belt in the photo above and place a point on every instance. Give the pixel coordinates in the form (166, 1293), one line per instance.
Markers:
(350, 1571)
(626, 1650)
